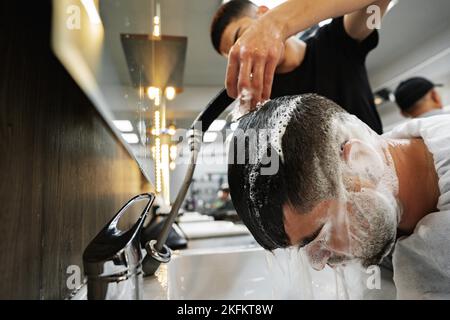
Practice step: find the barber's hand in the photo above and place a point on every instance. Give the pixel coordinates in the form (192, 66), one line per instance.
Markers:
(257, 52)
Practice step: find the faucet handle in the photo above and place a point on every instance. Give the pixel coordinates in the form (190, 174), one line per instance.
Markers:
(115, 256)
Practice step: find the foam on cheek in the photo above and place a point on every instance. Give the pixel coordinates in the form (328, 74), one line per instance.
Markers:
(369, 159)
(376, 208)
(366, 162)
(374, 224)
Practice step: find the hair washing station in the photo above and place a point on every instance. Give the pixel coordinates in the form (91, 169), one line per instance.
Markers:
(113, 261)
(115, 264)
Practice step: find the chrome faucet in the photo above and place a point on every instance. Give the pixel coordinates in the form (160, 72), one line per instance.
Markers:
(113, 259)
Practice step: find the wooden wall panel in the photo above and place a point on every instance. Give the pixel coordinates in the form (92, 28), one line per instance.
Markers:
(63, 173)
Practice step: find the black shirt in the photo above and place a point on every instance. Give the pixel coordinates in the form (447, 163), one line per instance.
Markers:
(334, 67)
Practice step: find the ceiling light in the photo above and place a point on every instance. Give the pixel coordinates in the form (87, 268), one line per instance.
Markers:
(170, 93)
(157, 22)
(152, 92)
(123, 125)
(209, 136)
(131, 138)
(217, 125)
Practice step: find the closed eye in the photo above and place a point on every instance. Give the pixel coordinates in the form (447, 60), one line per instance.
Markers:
(236, 35)
(310, 238)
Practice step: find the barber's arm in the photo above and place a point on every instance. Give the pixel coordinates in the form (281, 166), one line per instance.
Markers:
(355, 23)
(259, 50)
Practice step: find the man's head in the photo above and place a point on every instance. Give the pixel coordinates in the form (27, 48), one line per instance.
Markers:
(335, 187)
(224, 192)
(230, 21)
(417, 96)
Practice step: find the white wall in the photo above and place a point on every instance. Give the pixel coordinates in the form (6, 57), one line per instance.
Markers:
(430, 60)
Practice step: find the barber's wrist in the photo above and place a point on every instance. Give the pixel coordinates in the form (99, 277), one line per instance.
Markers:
(278, 27)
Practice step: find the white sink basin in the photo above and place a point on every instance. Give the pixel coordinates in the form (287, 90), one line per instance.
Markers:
(252, 273)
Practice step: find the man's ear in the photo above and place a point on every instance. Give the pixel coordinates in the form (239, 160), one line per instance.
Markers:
(436, 98)
(261, 10)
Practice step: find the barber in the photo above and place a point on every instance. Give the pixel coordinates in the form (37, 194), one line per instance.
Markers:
(261, 47)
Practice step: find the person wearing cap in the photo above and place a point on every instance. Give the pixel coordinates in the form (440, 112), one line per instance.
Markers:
(417, 98)
(223, 201)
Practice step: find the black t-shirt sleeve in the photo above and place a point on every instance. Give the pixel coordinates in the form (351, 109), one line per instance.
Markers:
(334, 34)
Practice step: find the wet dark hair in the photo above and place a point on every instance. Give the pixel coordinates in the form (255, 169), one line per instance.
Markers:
(306, 176)
(227, 12)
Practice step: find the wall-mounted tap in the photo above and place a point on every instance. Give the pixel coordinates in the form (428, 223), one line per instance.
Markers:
(113, 259)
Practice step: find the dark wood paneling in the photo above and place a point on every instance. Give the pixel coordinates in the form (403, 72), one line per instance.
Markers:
(63, 173)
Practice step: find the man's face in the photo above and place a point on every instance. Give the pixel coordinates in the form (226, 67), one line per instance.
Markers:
(360, 223)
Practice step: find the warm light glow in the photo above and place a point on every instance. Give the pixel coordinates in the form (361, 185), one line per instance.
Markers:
(158, 174)
(157, 121)
(156, 31)
(172, 165)
(123, 125)
(158, 99)
(92, 12)
(172, 130)
(157, 22)
(170, 93)
(152, 92)
(165, 162)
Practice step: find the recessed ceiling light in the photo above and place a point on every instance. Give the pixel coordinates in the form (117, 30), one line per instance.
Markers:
(217, 125)
(123, 125)
(131, 138)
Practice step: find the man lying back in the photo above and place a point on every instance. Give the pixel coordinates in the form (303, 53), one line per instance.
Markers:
(342, 192)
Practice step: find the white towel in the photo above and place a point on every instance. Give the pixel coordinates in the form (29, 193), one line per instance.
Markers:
(422, 260)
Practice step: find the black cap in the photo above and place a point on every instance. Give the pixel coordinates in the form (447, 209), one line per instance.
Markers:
(412, 90)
